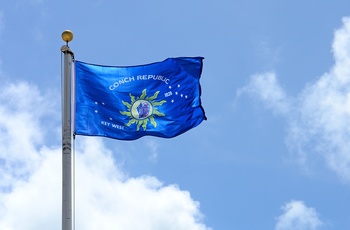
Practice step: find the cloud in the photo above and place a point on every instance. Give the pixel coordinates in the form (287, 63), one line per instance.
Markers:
(21, 109)
(266, 87)
(319, 123)
(297, 216)
(127, 203)
(34, 203)
(30, 177)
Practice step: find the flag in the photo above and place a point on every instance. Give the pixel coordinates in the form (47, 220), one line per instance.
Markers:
(159, 99)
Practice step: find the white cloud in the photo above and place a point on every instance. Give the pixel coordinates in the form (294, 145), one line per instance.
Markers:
(128, 203)
(266, 87)
(297, 216)
(319, 117)
(34, 203)
(21, 109)
(30, 188)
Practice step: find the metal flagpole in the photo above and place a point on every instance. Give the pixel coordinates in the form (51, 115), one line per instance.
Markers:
(67, 137)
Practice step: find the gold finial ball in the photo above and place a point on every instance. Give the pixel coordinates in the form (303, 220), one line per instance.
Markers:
(67, 36)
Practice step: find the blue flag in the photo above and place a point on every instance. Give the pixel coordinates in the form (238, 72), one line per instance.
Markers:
(160, 99)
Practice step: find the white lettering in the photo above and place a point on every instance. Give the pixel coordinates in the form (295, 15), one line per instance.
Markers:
(154, 77)
(105, 123)
(120, 82)
(168, 94)
(139, 78)
(108, 124)
(117, 126)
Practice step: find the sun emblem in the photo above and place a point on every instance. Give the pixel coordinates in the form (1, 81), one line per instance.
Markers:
(143, 109)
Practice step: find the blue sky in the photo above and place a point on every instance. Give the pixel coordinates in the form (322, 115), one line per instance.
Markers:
(273, 154)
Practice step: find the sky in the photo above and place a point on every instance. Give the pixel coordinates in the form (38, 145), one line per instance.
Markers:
(274, 153)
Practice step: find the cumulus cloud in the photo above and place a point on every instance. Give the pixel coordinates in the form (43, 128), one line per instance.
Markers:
(319, 123)
(127, 203)
(31, 174)
(297, 216)
(266, 87)
(35, 202)
(21, 107)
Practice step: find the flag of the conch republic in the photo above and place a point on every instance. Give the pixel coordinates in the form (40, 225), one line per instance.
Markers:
(159, 99)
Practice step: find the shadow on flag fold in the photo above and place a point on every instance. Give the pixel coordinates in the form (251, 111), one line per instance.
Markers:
(160, 99)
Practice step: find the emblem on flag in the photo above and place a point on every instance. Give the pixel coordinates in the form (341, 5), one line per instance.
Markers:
(142, 110)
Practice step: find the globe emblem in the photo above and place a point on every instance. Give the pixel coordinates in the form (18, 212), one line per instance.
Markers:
(141, 109)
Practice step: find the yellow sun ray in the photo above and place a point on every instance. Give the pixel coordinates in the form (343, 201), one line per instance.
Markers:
(132, 98)
(125, 113)
(132, 121)
(155, 111)
(127, 104)
(143, 95)
(154, 96)
(156, 103)
(153, 122)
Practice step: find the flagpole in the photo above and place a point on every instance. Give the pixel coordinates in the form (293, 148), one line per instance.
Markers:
(67, 137)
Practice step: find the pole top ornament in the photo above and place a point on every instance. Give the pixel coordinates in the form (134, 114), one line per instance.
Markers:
(67, 36)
